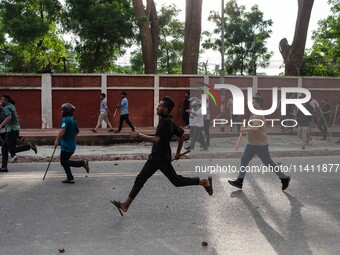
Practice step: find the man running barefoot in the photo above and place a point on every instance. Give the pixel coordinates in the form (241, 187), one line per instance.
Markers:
(160, 157)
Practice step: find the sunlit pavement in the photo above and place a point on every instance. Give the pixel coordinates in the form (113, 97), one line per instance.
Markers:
(40, 217)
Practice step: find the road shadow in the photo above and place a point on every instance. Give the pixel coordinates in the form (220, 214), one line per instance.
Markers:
(296, 242)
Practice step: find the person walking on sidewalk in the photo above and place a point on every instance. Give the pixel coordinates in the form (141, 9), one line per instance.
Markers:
(304, 122)
(12, 127)
(324, 118)
(124, 113)
(160, 157)
(196, 112)
(257, 145)
(103, 114)
(67, 140)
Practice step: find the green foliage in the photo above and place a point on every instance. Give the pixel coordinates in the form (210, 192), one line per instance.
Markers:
(171, 40)
(323, 59)
(103, 28)
(245, 38)
(171, 31)
(29, 37)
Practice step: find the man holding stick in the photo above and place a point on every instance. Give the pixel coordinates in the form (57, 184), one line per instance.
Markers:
(257, 145)
(160, 157)
(124, 113)
(67, 139)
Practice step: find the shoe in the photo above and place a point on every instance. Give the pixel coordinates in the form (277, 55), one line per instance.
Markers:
(337, 141)
(118, 205)
(116, 131)
(68, 181)
(303, 147)
(94, 131)
(209, 189)
(236, 183)
(33, 147)
(187, 148)
(86, 166)
(285, 182)
(14, 159)
(204, 149)
(4, 170)
(110, 130)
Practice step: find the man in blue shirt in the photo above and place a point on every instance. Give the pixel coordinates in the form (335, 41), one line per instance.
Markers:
(160, 157)
(124, 113)
(67, 140)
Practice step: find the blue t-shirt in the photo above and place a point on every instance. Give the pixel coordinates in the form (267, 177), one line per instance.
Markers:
(124, 107)
(103, 106)
(68, 140)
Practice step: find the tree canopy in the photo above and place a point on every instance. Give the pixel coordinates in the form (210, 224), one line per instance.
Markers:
(323, 59)
(245, 38)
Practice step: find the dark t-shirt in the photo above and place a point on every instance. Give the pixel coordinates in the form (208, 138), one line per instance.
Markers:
(166, 129)
(326, 108)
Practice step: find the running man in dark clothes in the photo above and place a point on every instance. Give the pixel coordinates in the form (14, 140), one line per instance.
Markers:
(160, 157)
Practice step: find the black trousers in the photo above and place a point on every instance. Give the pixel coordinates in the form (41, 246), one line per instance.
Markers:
(206, 131)
(9, 146)
(151, 166)
(322, 125)
(198, 136)
(67, 163)
(127, 120)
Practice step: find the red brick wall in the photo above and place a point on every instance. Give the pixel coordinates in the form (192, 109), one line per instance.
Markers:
(86, 103)
(141, 101)
(140, 107)
(20, 81)
(28, 105)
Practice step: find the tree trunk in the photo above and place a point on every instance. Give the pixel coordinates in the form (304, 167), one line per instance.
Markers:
(192, 36)
(149, 31)
(293, 54)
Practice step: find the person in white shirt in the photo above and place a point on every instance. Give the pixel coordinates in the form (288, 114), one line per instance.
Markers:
(196, 112)
(103, 114)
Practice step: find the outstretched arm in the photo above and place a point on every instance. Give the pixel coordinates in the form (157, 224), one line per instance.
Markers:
(149, 138)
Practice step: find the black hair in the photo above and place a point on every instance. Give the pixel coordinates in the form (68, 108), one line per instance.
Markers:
(169, 103)
(8, 98)
(258, 99)
(124, 93)
(103, 95)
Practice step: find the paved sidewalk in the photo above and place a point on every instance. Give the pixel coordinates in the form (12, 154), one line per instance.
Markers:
(220, 147)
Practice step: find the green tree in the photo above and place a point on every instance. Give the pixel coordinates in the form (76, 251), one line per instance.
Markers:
(245, 38)
(171, 31)
(102, 28)
(323, 59)
(171, 40)
(30, 38)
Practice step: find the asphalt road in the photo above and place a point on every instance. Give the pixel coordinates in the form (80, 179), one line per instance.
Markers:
(39, 217)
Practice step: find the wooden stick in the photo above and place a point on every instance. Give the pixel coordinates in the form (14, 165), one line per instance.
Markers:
(114, 114)
(334, 119)
(239, 141)
(182, 154)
